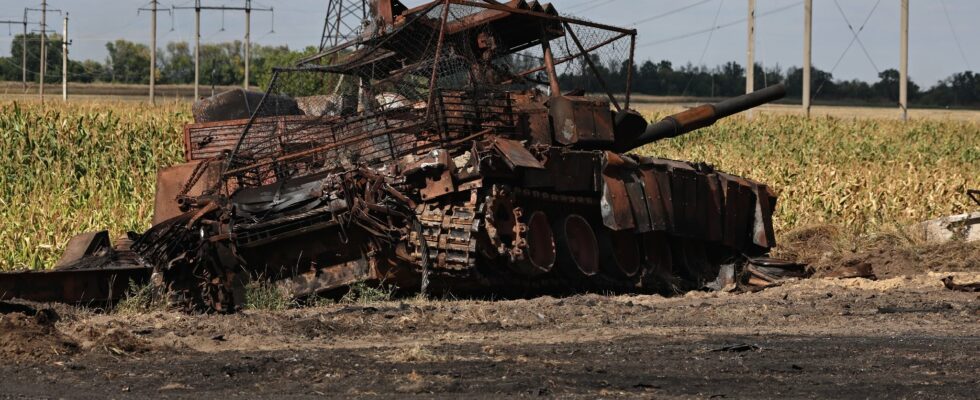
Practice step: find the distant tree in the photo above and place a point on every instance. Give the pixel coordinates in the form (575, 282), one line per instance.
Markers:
(647, 78)
(128, 62)
(53, 49)
(768, 76)
(302, 84)
(87, 71)
(177, 64)
(888, 84)
(962, 88)
(223, 63)
(731, 79)
(9, 69)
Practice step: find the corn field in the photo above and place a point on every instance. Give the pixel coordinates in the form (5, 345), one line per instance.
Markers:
(862, 175)
(92, 166)
(76, 168)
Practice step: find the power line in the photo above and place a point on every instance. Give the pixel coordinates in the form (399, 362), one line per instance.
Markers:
(956, 37)
(23, 67)
(849, 45)
(856, 33)
(706, 44)
(668, 13)
(593, 6)
(725, 25)
(579, 4)
(248, 8)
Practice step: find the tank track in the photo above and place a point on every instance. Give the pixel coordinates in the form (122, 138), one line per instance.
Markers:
(464, 259)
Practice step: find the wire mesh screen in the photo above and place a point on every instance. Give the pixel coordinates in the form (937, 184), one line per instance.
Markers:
(608, 51)
(435, 73)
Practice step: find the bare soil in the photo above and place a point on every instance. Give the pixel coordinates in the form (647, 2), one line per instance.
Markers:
(903, 335)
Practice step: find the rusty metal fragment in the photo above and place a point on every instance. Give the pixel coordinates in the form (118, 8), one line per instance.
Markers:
(853, 271)
(79, 286)
(971, 287)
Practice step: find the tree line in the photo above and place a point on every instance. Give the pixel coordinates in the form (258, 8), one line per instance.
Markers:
(223, 64)
(129, 62)
(961, 89)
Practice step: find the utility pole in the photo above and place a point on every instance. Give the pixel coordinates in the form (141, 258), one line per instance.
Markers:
(23, 41)
(153, 52)
(153, 46)
(44, 57)
(44, 32)
(197, 35)
(248, 38)
(23, 55)
(903, 83)
(64, 59)
(197, 48)
(807, 51)
(750, 68)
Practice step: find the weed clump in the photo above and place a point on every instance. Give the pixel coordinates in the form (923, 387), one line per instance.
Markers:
(263, 295)
(141, 298)
(362, 292)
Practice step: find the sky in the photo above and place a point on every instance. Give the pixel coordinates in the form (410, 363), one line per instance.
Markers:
(682, 37)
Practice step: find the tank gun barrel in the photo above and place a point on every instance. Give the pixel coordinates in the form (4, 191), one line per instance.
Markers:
(706, 115)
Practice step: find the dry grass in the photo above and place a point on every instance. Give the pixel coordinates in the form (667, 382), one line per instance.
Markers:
(66, 169)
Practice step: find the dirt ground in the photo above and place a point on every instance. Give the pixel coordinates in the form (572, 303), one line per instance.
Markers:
(903, 335)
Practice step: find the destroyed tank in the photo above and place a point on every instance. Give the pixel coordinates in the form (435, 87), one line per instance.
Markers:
(436, 151)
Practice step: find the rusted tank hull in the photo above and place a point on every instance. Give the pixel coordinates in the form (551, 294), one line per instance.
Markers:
(447, 168)
(557, 221)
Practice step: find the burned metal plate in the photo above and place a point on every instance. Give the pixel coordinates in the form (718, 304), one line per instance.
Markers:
(515, 154)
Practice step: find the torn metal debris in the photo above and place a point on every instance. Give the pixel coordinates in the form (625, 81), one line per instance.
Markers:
(972, 287)
(436, 151)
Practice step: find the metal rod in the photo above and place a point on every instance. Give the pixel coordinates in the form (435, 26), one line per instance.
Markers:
(435, 60)
(319, 149)
(573, 56)
(629, 71)
(549, 63)
(595, 71)
(251, 120)
(513, 10)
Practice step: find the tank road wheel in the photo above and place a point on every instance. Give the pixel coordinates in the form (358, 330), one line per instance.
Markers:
(500, 221)
(577, 246)
(658, 263)
(620, 252)
(690, 261)
(533, 252)
(525, 241)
